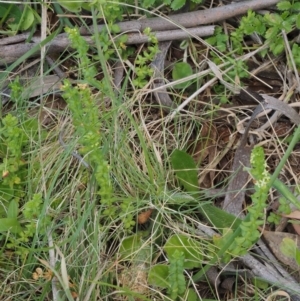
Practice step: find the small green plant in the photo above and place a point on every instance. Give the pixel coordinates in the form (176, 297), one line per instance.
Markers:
(16, 18)
(13, 168)
(20, 224)
(269, 26)
(289, 248)
(142, 70)
(256, 215)
(182, 253)
(284, 208)
(27, 225)
(218, 40)
(83, 106)
(238, 236)
(182, 70)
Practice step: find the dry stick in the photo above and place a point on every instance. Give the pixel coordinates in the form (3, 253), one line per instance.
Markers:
(14, 39)
(162, 97)
(191, 19)
(10, 53)
(190, 98)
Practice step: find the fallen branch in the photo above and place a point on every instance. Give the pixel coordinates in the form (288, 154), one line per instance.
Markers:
(191, 19)
(10, 53)
(161, 25)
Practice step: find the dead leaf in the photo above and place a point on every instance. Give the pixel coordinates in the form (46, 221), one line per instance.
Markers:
(274, 295)
(296, 228)
(295, 214)
(135, 278)
(143, 217)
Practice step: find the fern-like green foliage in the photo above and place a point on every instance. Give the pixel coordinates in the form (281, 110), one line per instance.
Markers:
(269, 26)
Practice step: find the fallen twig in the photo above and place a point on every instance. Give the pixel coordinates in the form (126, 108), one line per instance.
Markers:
(162, 97)
(10, 53)
(161, 25)
(191, 19)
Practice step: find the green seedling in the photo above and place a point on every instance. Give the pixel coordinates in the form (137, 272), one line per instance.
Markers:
(245, 232)
(180, 71)
(182, 253)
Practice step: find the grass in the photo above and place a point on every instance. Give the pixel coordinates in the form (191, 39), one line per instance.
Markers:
(78, 255)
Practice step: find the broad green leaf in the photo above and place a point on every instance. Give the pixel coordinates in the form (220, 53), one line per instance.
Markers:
(10, 224)
(186, 172)
(278, 49)
(185, 169)
(6, 193)
(181, 70)
(130, 246)
(297, 257)
(274, 19)
(115, 28)
(288, 247)
(259, 283)
(271, 33)
(71, 5)
(298, 21)
(191, 295)
(181, 198)
(27, 18)
(158, 276)
(13, 209)
(190, 247)
(296, 6)
(177, 4)
(284, 5)
(287, 26)
(15, 16)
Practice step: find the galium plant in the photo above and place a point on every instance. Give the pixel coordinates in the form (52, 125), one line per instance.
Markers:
(142, 70)
(256, 213)
(14, 140)
(269, 26)
(86, 120)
